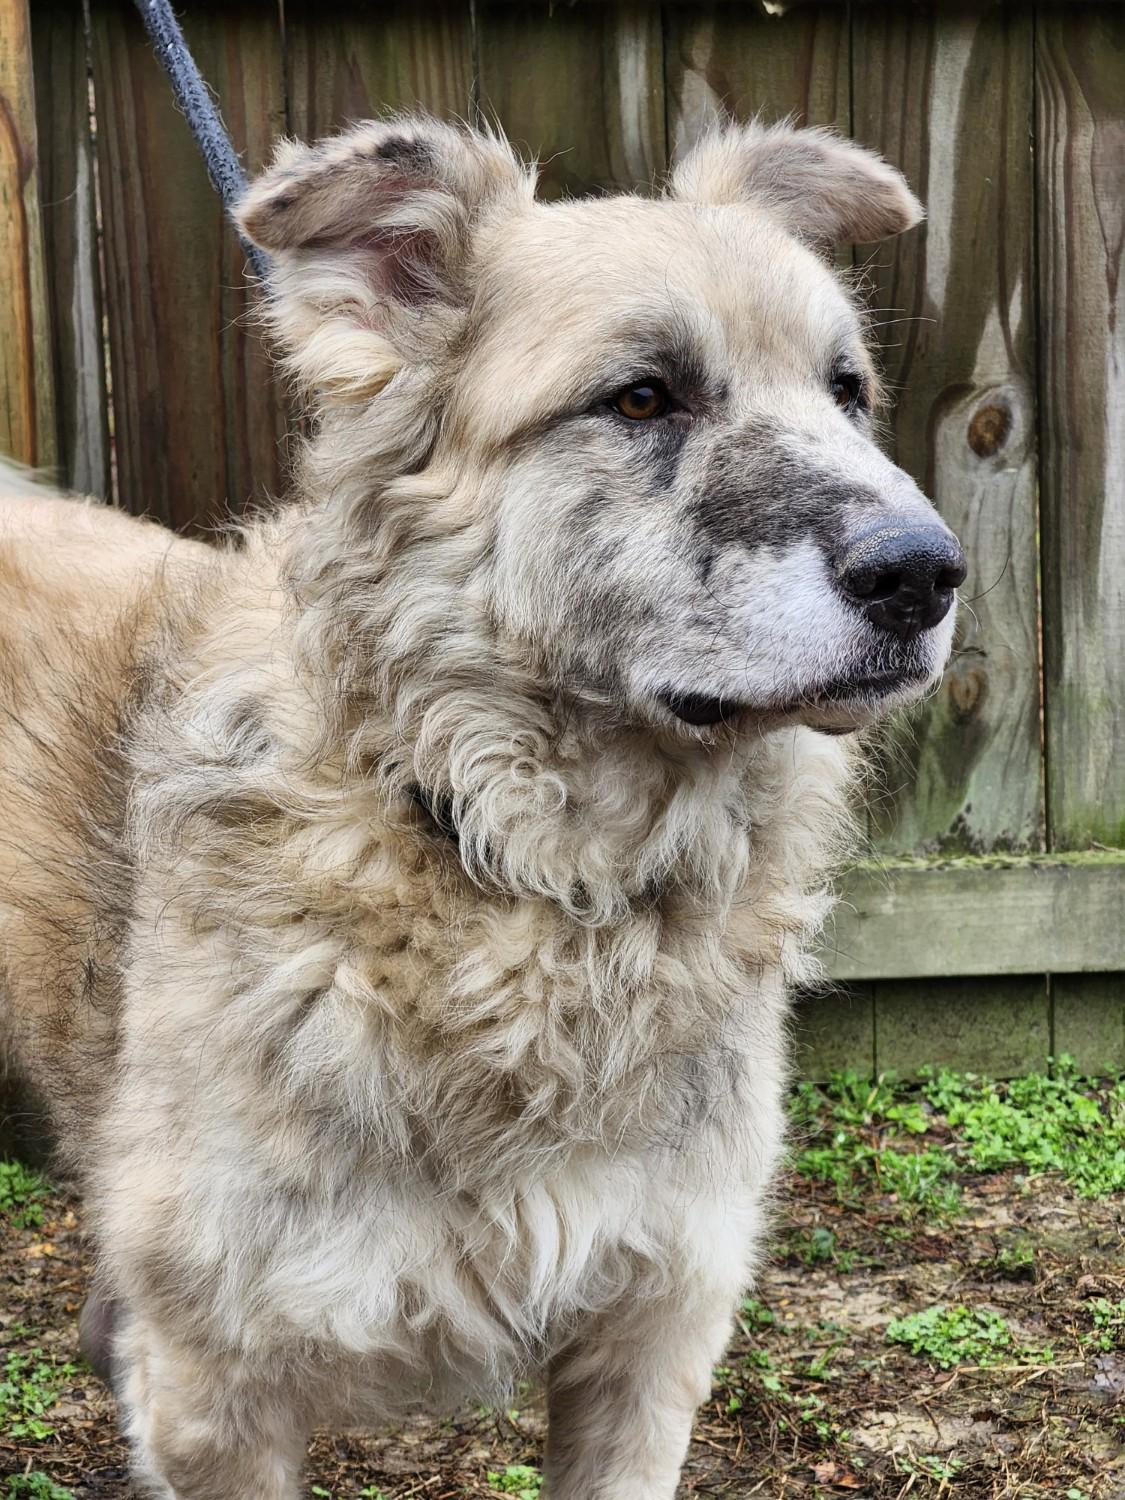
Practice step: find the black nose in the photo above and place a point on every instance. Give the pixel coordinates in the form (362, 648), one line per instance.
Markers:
(903, 576)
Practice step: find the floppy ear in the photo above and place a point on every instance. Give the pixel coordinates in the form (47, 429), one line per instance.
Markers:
(824, 189)
(370, 233)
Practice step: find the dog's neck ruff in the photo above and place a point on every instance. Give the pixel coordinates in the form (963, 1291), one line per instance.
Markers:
(538, 798)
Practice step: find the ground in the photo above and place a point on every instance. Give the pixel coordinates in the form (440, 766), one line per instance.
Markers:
(943, 1314)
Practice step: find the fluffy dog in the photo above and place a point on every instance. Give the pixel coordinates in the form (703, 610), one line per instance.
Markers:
(398, 908)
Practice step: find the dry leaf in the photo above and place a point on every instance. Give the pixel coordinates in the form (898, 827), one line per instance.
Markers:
(829, 1472)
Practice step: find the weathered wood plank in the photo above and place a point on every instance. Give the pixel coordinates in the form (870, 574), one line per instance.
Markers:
(985, 1025)
(241, 58)
(344, 64)
(733, 61)
(1089, 1021)
(968, 769)
(197, 420)
(1030, 916)
(999, 1026)
(580, 87)
(1080, 156)
(742, 62)
(954, 304)
(66, 158)
(27, 410)
(834, 1032)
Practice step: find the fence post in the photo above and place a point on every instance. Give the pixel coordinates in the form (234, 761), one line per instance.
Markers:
(1080, 167)
(27, 407)
(1080, 158)
(70, 245)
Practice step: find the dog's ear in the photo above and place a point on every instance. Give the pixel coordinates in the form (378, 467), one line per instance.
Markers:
(826, 190)
(370, 232)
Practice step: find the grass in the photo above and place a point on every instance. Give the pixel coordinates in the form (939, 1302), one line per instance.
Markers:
(820, 1246)
(758, 1380)
(520, 1480)
(915, 1145)
(754, 1315)
(368, 1493)
(30, 1386)
(21, 1194)
(33, 1487)
(1108, 1319)
(868, 1141)
(932, 1466)
(761, 1377)
(950, 1336)
(1013, 1262)
(1045, 1124)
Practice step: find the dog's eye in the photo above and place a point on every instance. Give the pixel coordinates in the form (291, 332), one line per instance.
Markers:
(641, 403)
(847, 390)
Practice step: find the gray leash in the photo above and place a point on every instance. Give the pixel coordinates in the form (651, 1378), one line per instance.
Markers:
(192, 95)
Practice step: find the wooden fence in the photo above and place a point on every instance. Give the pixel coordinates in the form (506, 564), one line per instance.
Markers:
(991, 933)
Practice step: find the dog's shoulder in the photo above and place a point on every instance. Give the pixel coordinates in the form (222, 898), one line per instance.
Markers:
(50, 539)
(83, 586)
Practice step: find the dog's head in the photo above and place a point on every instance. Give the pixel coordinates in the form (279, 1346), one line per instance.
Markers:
(655, 415)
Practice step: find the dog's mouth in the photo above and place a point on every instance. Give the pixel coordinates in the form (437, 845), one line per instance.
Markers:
(832, 706)
(700, 710)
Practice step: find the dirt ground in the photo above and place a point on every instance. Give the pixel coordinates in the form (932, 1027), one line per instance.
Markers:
(812, 1398)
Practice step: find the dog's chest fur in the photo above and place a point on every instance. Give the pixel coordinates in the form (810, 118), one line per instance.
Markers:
(424, 1111)
(398, 1116)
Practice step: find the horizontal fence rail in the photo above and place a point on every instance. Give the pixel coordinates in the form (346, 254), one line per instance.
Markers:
(129, 362)
(922, 919)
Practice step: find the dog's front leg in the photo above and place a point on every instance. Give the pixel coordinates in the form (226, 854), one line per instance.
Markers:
(200, 1425)
(621, 1399)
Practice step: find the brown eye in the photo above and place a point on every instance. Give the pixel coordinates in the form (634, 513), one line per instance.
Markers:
(640, 403)
(846, 389)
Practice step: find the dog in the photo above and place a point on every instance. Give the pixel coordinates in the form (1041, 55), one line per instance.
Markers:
(398, 905)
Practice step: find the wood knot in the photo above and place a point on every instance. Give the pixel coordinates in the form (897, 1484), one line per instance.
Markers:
(966, 689)
(989, 429)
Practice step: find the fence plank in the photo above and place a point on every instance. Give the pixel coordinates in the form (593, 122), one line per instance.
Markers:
(1080, 60)
(956, 301)
(66, 156)
(834, 1031)
(197, 419)
(581, 88)
(966, 771)
(727, 59)
(241, 58)
(27, 413)
(1089, 1021)
(1022, 916)
(980, 1025)
(343, 66)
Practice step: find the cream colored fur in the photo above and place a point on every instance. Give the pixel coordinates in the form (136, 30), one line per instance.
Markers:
(367, 1115)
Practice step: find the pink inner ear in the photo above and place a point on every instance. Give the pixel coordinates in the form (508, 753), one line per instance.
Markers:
(398, 264)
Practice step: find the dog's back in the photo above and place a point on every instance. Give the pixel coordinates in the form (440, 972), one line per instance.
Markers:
(82, 591)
